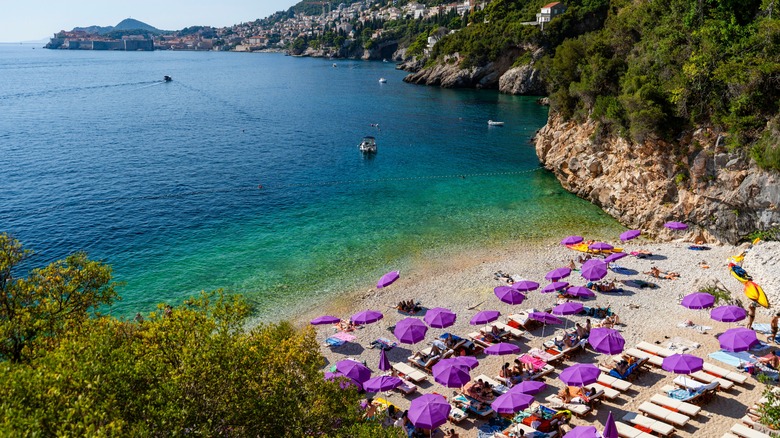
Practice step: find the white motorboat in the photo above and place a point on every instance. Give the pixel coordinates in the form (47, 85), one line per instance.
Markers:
(382, 80)
(495, 123)
(368, 145)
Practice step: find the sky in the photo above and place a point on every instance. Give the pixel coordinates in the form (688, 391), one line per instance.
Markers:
(30, 20)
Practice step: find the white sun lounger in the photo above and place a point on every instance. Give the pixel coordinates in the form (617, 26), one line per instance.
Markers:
(498, 387)
(609, 393)
(627, 431)
(663, 414)
(513, 332)
(413, 374)
(675, 405)
(614, 382)
(659, 427)
(694, 385)
(577, 409)
(734, 376)
(709, 378)
(743, 431)
(654, 349)
(639, 354)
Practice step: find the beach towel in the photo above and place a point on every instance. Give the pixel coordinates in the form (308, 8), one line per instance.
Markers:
(335, 342)
(537, 358)
(762, 328)
(680, 394)
(733, 359)
(383, 343)
(678, 344)
(344, 336)
(698, 328)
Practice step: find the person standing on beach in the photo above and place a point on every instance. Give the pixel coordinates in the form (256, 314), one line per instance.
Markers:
(773, 326)
(751, 315)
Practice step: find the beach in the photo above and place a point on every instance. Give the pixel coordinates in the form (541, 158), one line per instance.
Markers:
(465, 283)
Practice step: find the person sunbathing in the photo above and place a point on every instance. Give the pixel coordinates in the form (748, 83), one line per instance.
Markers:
(564, 344)
(621, 367)
(487, 391)
(642, 253)
(347, 326)
(581, 332)
(772, 360)
(609, 321)
(494, 335)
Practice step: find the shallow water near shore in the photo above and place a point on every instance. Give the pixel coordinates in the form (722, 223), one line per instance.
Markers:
(243, 173)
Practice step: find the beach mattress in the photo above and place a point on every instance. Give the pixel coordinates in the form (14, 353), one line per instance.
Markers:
(746, 432)
(709, 378)
(656, 426)
(609, 393)
(677, 405)
(664, 414)
(613, 382)
(627, 431)
(413, 374)
(717, 371)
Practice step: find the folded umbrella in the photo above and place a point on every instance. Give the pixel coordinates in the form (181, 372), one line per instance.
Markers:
(610, 428)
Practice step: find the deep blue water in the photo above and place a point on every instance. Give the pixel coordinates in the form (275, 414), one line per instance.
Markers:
(161, 179)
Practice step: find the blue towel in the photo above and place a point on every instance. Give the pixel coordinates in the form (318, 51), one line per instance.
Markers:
(335, 342)
(732, 359)
(762, 328)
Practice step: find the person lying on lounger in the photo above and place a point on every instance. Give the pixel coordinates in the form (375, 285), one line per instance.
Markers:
(565, 343)
(655, 272)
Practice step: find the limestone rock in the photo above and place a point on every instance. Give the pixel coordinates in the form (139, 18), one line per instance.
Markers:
(524, 80)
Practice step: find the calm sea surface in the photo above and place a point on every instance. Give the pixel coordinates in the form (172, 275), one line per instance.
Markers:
(161, 180)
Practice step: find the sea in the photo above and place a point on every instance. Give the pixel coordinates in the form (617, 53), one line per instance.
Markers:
(243, 172)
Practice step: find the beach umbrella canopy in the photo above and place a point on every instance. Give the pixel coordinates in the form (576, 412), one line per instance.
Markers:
(354, 370)
(382, 383)
(583, 432)
(502, 348)
(511, 402)
(567, 308)
(345, 382)
(698, 300)
(325, 319)
(525, 286)
(544, 317)
(728, 314)
(593, 270)
(554, 287)
(366, 317)
(610, 428)
(529, 387)
(451, 374)
(580, 291)
(614, 256)
(571, 240)
(676, 225)
(469, 362)
(581, 374)
(429, 411)
(384, 362)
(388, 279)
(682, 363)
(410, 330)
(630, 234)
(738, 339)
(557, 274)
(509, 295)
(600, 246)
(485, 317)
(606, 340)
(439, 317)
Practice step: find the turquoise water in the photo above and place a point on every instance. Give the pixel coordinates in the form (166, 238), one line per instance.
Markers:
(161, 179)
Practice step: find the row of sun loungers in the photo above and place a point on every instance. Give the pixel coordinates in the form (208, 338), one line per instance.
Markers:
(710, 372)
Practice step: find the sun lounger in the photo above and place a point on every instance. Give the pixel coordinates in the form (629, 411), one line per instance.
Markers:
(717, 371)
(648, 424)
(609, 393)
(498, 387)
(663, 414)
(457, 414)
(654, 349)
(695, 397)
(524, 321)
(469, 404)
(513, 332)
(411, 373)
(729, 435)
(577, 409)
(694, 385)
(517, 427)
(548, 355)
(541, 368)
(503, 335)
(480, 339)
(709, 378)
(614, 382)
(743, 431)
(676, 405)
(639, 354)
(627, 431)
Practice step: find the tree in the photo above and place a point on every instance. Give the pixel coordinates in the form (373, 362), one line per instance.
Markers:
(36, 310)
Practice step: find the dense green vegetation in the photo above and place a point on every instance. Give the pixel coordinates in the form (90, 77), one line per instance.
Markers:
(190, 370)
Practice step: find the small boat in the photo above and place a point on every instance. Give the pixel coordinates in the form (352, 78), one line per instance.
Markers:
(334, 65)
(167, 78)
(382, 80)
(494, 123)
(368, 145)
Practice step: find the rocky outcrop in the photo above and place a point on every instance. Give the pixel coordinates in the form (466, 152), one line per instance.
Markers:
(722, 195)
(523, 80)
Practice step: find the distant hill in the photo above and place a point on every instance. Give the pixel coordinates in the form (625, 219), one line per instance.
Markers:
(126, 24)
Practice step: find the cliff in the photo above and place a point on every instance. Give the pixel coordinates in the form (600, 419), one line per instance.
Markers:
(721, 194)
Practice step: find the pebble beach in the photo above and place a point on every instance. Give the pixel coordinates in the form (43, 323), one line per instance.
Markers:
(465, 283)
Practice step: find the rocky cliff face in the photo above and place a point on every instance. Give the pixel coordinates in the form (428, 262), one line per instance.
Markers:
(722, 195)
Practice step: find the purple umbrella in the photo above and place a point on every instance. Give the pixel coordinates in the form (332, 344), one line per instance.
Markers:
(529, 387)
(525, 286)
(583, 432)
(388, 279)
(429, 411)
(610, 428)
(630, 234)
(511, 402)
(594, 270)
(345, 381)
(572, 240)
(502, 348)
(469, 362)
(384, 362)
(410, 330)
(600, 246)
(581, 374)
(676, 226)
(698, 300)
(606, 340)
(485, 317)
(728, 314)
(682, 363)
(509, 295)
(450, 374)
(580, 291)
(567, 308)
(557, 274)
(554, 287)
(354, 370)
(614, 256)
(738, 339)
(382, 383)
(325, 319)
(544, 317)
(439, 317)
(366, 317)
